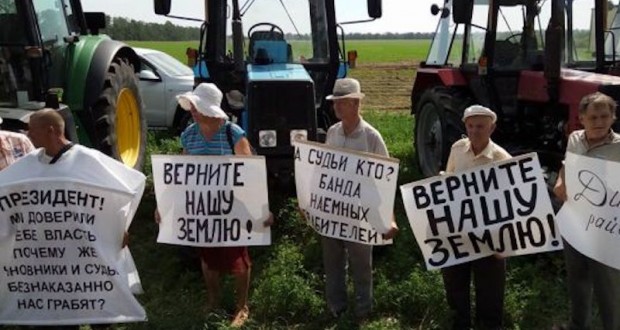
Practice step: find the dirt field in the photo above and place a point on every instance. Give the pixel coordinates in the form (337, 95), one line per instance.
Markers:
(387, 85)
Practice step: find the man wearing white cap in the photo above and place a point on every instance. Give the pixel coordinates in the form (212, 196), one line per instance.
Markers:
(490, 272)
(212, 134)
(352, 132)
(12, 147)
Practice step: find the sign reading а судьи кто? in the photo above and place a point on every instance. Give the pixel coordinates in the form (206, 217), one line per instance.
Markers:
(588, 220)
(345, 194)
(211, 200)
(500, 208)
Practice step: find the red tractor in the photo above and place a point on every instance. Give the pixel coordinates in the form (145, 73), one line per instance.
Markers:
(528, 60)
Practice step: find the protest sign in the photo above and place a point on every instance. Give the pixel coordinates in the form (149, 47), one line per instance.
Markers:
(345, 194)
(588, 220)
(500, 208)
(212, 200)
(61, 234)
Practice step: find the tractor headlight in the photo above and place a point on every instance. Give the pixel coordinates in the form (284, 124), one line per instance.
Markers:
(267, 138)
(299, 134)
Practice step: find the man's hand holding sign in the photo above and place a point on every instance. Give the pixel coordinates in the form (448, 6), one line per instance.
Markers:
(502, 208)
(588, 219)
(489, 205)
(346, 194)
(216, 198)
(212, 200)
(345, 190)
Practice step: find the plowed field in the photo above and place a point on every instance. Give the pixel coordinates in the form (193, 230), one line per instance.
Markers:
(387, 85)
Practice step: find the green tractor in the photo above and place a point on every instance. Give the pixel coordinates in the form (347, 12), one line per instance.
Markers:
(51, 55)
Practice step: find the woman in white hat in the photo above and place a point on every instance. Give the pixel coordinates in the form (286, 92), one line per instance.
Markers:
(212, 134)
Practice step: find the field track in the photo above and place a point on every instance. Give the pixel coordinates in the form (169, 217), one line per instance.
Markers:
(387, 85)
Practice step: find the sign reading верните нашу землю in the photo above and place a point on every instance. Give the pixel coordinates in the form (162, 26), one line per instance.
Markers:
(501, 208)
(211, 200)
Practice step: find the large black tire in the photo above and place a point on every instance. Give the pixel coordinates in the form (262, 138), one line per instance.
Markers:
(120, 125)
(437, 126)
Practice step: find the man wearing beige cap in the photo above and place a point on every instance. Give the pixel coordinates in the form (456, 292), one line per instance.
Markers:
(490, 272)
(352, 132)
(12, 147)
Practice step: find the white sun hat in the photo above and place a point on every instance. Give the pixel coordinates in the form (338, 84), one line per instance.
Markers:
(478, 110)
(346, 88)
(206, 98)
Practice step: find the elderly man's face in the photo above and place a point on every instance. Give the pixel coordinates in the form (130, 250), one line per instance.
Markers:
(597, 121)
(346, 108)
(479, 129)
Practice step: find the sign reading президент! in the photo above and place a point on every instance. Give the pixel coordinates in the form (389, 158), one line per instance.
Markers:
(345, 194)
(62, 260)
(588, 219)
(211, 200)
(500, 208)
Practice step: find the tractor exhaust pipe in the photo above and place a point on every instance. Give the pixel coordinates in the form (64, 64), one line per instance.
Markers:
(237, 32)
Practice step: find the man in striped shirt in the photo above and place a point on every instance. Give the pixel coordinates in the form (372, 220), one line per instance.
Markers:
(12, 147)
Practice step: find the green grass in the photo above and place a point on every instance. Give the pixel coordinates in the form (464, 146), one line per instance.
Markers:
(389, 51)
(287, 277)
(368, 51)
(175, 49)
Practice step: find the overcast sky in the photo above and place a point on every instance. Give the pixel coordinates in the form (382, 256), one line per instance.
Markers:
(398, 15)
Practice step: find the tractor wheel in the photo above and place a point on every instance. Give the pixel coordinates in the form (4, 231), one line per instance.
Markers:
(437, 126)
(120, 125)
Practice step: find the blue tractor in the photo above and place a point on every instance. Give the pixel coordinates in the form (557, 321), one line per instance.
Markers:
(274, 80)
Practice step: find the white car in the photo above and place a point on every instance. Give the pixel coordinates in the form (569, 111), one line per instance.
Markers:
(162, 77)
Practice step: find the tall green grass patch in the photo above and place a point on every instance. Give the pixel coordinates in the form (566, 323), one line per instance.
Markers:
(369, 51)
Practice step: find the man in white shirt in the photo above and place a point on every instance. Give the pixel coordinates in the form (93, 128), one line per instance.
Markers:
(490, 272)
(586, 277)
(352, 132)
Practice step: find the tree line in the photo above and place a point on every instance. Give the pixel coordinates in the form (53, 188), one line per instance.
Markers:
(121, 28)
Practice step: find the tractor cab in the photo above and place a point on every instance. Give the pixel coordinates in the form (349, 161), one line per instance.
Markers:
(275, 61)
(531, 61)
(20, 58)
(33, 42)
(52, 56)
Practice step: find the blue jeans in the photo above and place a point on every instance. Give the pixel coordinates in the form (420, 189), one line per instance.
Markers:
(588, 277)
(335, 255)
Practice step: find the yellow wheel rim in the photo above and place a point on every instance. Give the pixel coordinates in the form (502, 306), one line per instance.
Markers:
(128, 130)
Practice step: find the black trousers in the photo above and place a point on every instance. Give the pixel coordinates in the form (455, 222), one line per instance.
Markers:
(489, 281)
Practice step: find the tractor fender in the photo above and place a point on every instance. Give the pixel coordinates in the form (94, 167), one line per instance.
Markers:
(427, 78)
(88, 62)
(103, 56)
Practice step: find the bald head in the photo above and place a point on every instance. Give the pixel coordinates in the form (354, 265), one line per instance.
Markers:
(46, 129)
(48, 118)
